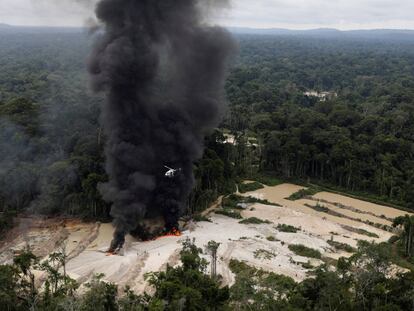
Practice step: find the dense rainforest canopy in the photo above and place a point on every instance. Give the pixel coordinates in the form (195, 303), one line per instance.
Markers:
(360, 137)
(318, 109)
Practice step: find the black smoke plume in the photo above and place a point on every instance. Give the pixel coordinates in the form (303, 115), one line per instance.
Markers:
(163, 71)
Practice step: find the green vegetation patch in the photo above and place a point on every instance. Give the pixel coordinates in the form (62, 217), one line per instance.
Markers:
(256, 200)
(269, 181)
(302, 250)
(229, 213)
(342, 246)
(361, 231)
(248, 187)
(264, 254)
(367, 233)
(307, 265)
(398, 255)
(287, 228)
(394, 239)
(256, 289)
(271, 238)
(6, 221)
(254, 220)
(302, 193)
(319, 208)
(18, 286)
(233, 200)
(323, 209)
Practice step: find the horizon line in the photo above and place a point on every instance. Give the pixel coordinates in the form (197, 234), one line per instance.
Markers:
(318, 28)
(229, 27)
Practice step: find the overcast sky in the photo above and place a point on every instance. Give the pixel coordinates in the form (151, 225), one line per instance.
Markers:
(293, 14)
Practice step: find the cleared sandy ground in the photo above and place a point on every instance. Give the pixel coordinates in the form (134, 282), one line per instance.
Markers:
(378, 210)
(348, 213)
(86, 243)
(275, 194)
(237, 241)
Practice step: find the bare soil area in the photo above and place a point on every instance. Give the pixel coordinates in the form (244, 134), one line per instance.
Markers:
(377, 209)
(260, 245)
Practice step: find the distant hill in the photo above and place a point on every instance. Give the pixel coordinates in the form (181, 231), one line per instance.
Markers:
(5, 28)
(329, 31)
(395, 34)
(392, 34)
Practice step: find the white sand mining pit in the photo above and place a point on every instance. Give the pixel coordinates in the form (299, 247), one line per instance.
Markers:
(377, 209)
(87, 243)
(238, 241)
(348, 212)
(322, 224)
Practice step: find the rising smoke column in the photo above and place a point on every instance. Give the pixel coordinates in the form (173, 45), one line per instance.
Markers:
(163, 71)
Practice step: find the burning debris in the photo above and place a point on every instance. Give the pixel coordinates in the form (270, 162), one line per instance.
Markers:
(117, 242)
(172, 232)
(162, 69)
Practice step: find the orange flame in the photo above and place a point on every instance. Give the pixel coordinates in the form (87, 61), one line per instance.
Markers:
(111, 252)
(173, 232)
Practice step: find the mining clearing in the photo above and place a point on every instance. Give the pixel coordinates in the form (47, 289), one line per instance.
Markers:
(266, 236)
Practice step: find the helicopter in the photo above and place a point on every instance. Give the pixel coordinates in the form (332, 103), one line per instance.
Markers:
(171, 173)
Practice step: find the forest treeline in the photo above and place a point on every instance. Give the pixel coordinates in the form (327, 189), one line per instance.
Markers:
(359, 138)
(51, 141)
(364, 281)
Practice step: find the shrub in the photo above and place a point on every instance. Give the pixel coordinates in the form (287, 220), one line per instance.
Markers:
(256, 200)
(393, 239)
(361, 231)
(229, 213)
(304, 251)
(318, 208)
(243, 188)
(342, 246)
(269, 181)
(307, 265)
(264, 254)
(287, 228)
(231, 201)
(304, 193)
(254, 220)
